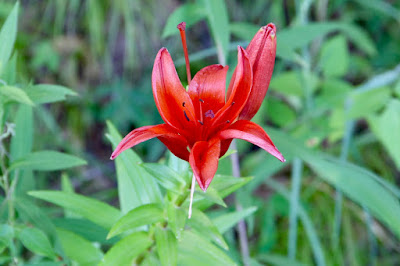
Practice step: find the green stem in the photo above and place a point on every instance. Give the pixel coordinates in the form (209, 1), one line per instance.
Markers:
(241, 227)
(339, 196)
(297, 169)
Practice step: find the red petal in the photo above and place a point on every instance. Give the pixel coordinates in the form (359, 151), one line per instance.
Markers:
(176, 145)
(253, 133)
(261, 51)
(172, 100)
(209, 86)
(240, 86)
(204, 161)
(148, 132)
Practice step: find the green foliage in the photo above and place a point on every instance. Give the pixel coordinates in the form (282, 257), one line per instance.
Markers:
(333, 106)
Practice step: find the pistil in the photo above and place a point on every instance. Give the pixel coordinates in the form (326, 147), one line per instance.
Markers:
(182, 26)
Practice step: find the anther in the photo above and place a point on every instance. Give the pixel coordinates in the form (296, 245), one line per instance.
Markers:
(233, 103)
(187, 118)
(183, 104)
(201, 100)
(201, 123)
(227, 121)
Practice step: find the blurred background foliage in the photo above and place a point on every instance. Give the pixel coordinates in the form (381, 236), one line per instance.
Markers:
(333, 109)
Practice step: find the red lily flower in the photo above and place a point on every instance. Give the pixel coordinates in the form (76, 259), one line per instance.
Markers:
(200, 123)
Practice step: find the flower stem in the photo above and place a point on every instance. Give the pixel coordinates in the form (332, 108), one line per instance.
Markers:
(241, 227)
(297, 169)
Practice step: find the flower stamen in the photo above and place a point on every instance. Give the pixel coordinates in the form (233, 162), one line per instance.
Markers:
(187, 118)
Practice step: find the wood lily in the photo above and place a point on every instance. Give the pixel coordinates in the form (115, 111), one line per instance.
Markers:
(201, 122)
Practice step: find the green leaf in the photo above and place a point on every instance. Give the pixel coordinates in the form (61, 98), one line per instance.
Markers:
(334, 59)
(127, 249)
(288, 83)
(6, 236)
(21, 143)
(386, 127)
(83, 228)
(8, 34)
(196, 251)
(278, 260)
(47, 161)
(226, 221)
(48, 93)
(299, 36)
(167, 246)
(224, 185)
(295, 37)
(36, 241)
(366, 102)
(306, 221)
(79, 249)
(135, 185)
(189, 13)
(356, 183)
(142, 215)
(381, 7)
(96, 211)
(165, 176)
(30, 213)
(217, 17)
(205, 227)
(211, 195)
(14, 94)
(177, 217)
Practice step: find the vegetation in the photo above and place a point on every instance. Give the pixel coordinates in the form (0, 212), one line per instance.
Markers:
(76, 75)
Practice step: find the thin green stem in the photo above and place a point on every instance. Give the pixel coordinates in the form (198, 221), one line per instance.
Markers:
(297, 169)
(241, 227)
(339, 196)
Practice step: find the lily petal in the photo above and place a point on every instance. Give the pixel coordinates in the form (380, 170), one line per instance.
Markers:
(261, 51)
(148, 132)
(176, 145)
(204, 161)
(171, 98)
(208, 85)
(253, 133)
(240, 86)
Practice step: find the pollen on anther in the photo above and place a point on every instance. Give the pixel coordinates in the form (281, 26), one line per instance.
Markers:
(187, 118)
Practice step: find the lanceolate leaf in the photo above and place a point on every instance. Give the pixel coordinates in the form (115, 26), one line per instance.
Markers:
(47, 161)
(167, 246)
(79, 249)
(217, 17)
(47, 93)
(93, 210)
(204, 226)
(288, 39)
(143, 215)
(127, 249)
(195, 250)
(14, 94)
(37, 242)
(189, 13)
(8, 34)
(226, 221)
(135, 185)
(353, 181)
